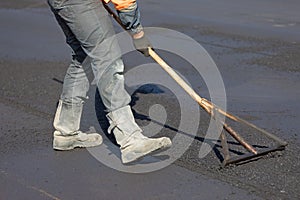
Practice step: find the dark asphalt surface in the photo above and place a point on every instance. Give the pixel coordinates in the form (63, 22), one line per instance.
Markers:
(256, 48)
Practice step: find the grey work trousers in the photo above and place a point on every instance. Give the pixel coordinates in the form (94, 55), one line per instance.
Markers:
(89, 32)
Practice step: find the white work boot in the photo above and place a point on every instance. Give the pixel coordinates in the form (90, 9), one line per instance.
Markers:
(80, 139)
(67, 135)
(133, 144)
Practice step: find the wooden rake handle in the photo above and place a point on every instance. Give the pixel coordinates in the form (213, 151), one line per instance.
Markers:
(204, 103)
(210, 107)
(207, 105)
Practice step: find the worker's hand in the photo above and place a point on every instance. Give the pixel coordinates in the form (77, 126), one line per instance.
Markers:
(141, 43)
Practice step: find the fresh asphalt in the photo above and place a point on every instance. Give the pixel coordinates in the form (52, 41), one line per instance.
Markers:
(256, 48)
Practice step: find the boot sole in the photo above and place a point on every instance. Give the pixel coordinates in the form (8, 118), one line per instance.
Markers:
(69, 144)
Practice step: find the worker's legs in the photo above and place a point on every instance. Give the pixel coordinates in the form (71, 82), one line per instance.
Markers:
(88, 21)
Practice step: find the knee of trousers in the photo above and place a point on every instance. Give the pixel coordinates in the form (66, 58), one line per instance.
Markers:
(76, 85)
(111, 87)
